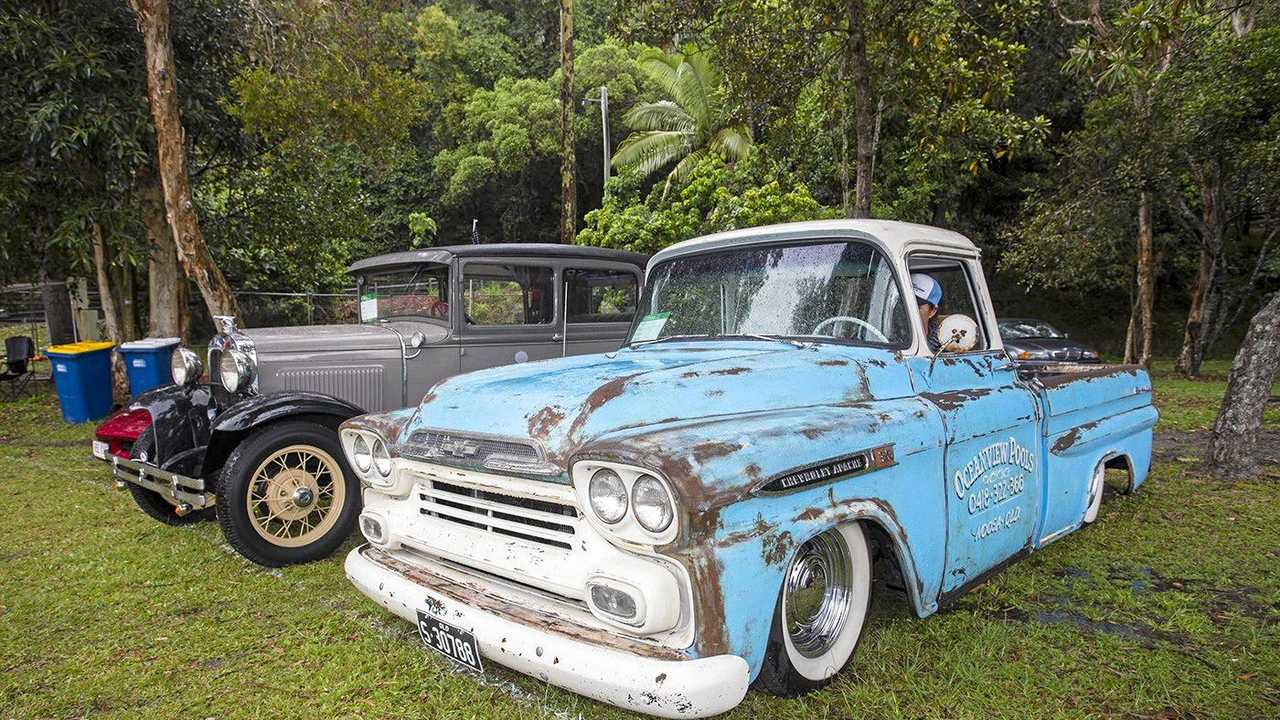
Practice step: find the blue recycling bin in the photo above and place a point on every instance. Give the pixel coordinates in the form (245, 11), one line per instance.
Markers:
(147, 363)
(82, 376)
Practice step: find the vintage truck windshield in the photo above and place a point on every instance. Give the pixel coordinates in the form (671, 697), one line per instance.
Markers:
(417, 292)
(820, 290)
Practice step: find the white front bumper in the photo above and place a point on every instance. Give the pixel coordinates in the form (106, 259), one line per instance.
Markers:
(665, 687)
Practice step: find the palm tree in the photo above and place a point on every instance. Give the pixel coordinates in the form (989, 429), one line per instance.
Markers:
(685, 129)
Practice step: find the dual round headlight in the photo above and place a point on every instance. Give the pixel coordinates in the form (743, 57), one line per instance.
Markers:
(369, 456)
(185, 366)
(235, 370)
(648, 500)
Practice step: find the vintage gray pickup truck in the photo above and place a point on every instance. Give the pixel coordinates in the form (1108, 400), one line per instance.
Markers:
(662, 526)
(259, 442)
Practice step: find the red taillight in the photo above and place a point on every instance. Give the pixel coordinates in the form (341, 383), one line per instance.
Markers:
(121, 430)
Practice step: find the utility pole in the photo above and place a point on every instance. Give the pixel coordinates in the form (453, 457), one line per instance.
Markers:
(603, 100)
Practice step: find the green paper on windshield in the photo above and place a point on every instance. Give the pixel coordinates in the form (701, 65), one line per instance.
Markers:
(650, 326)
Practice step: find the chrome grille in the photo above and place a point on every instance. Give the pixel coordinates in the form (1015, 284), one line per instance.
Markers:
(539, 521)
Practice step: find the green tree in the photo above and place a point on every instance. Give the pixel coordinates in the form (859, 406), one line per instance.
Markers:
(685, 129)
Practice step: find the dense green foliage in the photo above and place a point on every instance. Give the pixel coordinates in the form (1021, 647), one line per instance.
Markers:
(323, 132)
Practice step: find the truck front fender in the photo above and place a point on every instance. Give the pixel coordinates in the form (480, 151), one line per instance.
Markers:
(237, 421)
(739, 531)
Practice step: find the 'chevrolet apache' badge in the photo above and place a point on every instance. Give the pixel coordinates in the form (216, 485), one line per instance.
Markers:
(859, 462)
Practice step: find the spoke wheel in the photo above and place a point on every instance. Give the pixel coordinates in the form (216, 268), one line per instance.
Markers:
(286, 494)
(295, 495)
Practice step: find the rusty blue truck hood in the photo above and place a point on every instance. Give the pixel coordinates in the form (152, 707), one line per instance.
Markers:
(565, 404)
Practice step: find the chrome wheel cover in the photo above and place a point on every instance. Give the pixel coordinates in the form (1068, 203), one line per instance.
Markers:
(816, 594)
(295, 496)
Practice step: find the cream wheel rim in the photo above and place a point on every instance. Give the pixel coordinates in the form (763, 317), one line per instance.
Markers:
(295, 496)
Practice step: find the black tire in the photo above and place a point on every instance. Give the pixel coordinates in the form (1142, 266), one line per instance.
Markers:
(778, 674)
(249, 535)
(152, 503)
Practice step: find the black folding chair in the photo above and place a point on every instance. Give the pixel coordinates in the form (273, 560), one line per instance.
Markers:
(19, 370)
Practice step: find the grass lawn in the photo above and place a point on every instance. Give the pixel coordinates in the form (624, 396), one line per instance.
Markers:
(1169, 607)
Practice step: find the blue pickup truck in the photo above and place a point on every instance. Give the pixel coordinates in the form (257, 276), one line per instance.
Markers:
(796, 408)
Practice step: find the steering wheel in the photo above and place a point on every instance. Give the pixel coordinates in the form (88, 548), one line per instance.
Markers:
(856, 321)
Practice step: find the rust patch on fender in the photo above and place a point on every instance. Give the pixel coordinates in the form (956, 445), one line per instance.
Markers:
(759, 528)
(598, 398)
(730, 371)
(702, 452)
(777, 548)
(813, 433)
(955, 399)
(689, 374)
(812, 513)
(542, 422)
(833, 363)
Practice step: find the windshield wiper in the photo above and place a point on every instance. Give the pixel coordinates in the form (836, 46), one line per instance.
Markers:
(638, 343)
(771, 338)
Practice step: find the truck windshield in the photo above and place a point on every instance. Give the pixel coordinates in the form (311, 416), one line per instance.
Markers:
(417, 292)
(826, 290)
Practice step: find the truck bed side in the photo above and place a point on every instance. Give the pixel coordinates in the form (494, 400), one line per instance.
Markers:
(1090, 415)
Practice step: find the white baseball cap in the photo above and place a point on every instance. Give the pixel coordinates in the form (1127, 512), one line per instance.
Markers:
(926, 288)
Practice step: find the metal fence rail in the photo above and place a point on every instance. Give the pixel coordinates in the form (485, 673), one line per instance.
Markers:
(22, 308)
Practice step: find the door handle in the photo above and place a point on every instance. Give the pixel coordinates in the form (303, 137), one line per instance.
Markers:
(557, 337)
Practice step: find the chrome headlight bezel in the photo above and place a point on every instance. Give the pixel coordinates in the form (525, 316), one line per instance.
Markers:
(377, 469)
(235, 370)
(185, 366)
(628, 527)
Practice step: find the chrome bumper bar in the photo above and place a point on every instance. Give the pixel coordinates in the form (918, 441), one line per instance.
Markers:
(177, 489)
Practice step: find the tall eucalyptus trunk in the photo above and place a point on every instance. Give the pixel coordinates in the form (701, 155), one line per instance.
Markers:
(1233, 444)
(162, 94)
(864, 113)
(164, 276)
(568, 161)
(111, 312)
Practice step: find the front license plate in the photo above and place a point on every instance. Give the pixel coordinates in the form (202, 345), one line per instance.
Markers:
(452, 642)
(99, 449)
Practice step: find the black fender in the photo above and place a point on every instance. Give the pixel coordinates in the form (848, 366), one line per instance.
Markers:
(180, 424)
(231, 426)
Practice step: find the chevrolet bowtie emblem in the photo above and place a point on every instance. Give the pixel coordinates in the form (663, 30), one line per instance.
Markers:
(459, 448)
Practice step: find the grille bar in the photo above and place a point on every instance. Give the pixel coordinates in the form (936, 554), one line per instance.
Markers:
(493, 521)
(497, 507)
(538, 521)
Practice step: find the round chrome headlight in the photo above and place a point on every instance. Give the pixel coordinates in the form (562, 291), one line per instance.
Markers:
(381, 458)
(185, 367)
(234, 370)
(361, 454)
(651, 504)
(608, 496)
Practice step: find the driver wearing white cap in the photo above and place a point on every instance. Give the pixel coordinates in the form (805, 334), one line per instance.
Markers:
(928, 294)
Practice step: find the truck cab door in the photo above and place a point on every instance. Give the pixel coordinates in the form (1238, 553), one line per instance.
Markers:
(991, 470)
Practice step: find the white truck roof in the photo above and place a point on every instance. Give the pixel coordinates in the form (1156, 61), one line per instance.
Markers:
(891, 234)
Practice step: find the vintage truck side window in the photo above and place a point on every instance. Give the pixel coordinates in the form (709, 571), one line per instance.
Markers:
(419, 292)
(508, 294)
(595, 295)
(823, 289)
(957, 290)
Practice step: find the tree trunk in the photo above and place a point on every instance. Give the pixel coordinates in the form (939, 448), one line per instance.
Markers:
(1192, 354)
(1131, 335)
(111, 313)
(163, 277)
(864, 115)
(57, 311)
(162, 93)
(568, 160)
(1235, 431)
(1146, 277)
